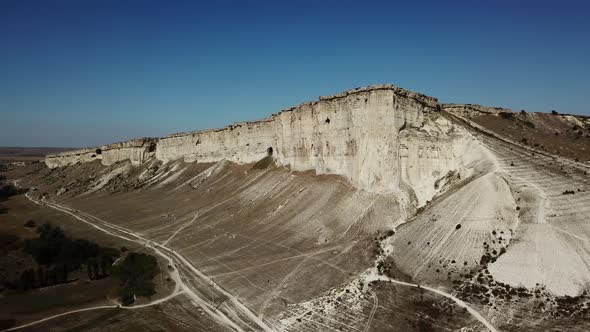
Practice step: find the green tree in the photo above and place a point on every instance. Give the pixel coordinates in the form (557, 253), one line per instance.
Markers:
(136, 275)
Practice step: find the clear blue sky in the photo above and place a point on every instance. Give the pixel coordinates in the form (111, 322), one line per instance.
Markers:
(84, 72)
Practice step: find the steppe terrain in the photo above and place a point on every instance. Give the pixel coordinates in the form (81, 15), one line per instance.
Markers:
(16, 154)
(376, 209)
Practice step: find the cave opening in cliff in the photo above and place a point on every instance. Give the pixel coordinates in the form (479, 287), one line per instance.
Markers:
(98, 151)
(152, 147)
(327, 120)
(269, 151)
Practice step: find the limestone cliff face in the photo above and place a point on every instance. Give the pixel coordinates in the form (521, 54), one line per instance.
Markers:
(137, 151)
(381, 138)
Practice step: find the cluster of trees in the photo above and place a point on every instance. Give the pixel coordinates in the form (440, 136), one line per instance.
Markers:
(41, 277)
(57, 256)
(53, 247)
(8, 190)
(135, 274)
(99, 267)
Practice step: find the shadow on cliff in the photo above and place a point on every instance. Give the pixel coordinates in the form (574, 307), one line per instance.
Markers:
(264, 163)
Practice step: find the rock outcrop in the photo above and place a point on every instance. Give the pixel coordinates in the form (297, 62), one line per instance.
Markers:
(136, 151)
(471, 110)
(381, 138)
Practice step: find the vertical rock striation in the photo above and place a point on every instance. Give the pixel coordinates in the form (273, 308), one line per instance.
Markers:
(381, 138)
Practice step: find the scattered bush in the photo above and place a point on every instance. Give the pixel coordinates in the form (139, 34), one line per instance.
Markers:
(507, 115)
(554, 112)
(568, 192)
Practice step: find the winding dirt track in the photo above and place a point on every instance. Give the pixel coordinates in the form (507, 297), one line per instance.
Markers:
(459, 302)
(231, 312)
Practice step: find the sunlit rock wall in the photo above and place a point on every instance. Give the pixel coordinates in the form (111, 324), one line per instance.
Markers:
(71, 157)
(136, 151)
(379, 138)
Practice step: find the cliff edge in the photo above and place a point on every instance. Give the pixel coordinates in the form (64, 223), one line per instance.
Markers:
(380, 138)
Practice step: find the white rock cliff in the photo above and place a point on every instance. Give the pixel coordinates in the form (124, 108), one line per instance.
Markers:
(382, 139)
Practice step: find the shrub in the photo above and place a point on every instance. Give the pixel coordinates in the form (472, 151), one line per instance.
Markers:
(554, 112)
(507, 115)
(528, 124)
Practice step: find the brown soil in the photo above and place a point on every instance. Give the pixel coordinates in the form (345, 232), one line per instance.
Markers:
(556, 134)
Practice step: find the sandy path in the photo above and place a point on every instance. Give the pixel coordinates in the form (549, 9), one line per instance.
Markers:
(232, 305)
(460, 303)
